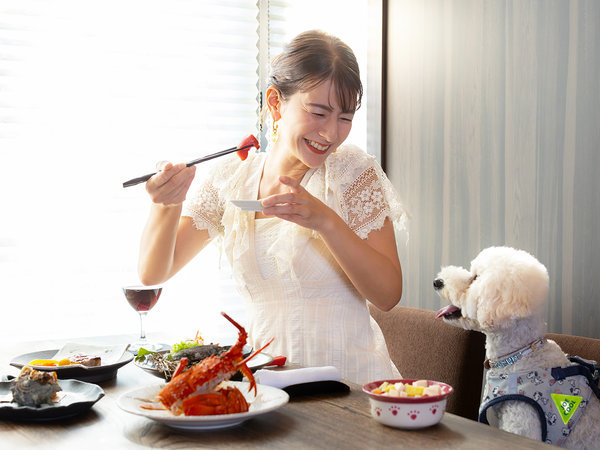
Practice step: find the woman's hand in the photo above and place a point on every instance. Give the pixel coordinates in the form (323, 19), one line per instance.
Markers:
(170, 185)
(298, 206)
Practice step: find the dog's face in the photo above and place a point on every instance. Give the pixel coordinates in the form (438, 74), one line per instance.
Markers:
(502, 285)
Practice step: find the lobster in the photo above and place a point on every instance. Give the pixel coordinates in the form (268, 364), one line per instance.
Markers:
(198, 391)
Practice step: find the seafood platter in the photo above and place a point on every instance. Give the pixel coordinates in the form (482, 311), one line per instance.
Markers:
(197, 391)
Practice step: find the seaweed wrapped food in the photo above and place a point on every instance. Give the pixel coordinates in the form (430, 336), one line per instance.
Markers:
(35, 388)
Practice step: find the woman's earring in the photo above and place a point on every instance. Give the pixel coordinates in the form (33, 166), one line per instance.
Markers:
(274, 133)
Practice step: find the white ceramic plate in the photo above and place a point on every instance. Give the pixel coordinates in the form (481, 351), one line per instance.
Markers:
(268, 399)
(248, 205)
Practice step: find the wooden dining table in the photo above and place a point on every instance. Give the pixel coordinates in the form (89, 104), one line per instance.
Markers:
(320, 421)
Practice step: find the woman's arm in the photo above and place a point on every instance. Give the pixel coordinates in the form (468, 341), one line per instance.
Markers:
(169, 241)
(372, 264)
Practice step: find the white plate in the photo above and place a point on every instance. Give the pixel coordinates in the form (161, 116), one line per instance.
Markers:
(268, 399)
(248, 205)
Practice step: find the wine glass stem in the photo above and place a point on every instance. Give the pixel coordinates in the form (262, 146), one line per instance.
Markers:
(142, 330)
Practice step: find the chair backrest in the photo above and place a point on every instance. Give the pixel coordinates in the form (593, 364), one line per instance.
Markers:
(424, 347)
(584, 347)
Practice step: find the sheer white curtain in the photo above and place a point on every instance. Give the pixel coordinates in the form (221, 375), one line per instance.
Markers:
(93, 93)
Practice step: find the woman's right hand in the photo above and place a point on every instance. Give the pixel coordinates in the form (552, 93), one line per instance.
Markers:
(170, 185)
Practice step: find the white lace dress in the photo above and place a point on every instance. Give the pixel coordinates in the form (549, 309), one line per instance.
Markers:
(293, 288)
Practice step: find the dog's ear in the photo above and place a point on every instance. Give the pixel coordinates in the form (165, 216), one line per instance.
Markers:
(511, 286)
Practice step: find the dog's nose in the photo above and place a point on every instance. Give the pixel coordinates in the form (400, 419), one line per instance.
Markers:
(438, 284)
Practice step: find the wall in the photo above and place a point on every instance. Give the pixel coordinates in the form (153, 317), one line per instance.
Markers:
(493, 129)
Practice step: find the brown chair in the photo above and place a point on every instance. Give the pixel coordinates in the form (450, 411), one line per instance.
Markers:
(584, 347)
(423, 347)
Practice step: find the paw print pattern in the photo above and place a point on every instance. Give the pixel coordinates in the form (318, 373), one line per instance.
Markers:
(434, 409)
(394, 410)
(413, 414)
(377, 411)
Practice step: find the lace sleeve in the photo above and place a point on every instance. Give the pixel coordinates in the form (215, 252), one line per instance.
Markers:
(205, 209)
(368, 197)
(207, 205)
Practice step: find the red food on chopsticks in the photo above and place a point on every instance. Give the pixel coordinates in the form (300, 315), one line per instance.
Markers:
(250, 140)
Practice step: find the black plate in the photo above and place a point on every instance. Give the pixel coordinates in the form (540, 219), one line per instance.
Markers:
(82, 373)
(79, 397)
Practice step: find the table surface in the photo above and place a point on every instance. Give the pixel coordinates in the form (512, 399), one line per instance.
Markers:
(320, 421)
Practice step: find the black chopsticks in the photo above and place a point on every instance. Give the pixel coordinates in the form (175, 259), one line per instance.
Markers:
(144, 178)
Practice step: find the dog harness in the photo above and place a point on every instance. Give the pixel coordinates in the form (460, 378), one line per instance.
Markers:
(559, 395)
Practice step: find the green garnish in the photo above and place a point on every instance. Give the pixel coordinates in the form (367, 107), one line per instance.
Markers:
(141, 355)
(183, 345)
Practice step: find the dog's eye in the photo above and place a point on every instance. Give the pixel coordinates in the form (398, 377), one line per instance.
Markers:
(474, 278)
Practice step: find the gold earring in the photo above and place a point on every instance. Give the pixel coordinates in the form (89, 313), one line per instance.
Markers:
(274, 133)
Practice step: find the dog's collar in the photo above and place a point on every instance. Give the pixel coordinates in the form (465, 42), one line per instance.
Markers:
(513, 357)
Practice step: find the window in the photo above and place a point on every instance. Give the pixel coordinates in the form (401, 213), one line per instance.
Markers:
(94, 93)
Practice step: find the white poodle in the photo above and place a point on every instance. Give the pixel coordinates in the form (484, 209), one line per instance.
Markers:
(532, 388)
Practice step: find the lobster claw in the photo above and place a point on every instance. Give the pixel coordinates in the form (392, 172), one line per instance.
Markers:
(246, 371)
(183, 362)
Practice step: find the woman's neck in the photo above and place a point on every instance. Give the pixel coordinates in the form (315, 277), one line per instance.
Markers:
(279, 163)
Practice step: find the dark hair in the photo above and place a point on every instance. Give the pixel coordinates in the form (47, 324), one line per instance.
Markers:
(313, 57)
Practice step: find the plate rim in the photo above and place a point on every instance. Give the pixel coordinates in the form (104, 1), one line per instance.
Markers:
(201, 422)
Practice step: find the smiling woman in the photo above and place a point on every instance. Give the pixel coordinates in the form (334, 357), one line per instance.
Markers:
(94, 93)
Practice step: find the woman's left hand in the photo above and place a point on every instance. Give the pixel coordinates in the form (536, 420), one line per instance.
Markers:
(297, 206)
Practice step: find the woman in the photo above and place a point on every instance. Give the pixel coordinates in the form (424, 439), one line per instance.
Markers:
(324, 241)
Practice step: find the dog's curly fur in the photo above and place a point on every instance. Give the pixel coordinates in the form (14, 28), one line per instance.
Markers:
(503, 295)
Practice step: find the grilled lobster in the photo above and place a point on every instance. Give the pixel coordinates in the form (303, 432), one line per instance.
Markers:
(198, 391)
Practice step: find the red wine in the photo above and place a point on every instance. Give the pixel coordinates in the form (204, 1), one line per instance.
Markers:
(142, 298)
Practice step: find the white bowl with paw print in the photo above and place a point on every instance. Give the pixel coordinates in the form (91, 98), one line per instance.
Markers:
(407, 412)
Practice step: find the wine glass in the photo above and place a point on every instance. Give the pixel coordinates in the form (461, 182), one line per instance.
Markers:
(142, 299)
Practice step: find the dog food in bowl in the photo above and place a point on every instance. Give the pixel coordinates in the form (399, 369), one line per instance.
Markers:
(407, 404)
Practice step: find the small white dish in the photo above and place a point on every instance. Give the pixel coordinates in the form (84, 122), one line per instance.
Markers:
(268, 399)
(407, 412)
(248, 205)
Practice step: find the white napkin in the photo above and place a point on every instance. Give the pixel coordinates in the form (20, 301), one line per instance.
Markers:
(109, 354)
(284, 378)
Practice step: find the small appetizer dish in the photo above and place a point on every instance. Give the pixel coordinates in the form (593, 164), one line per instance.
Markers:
(407, 404)
(74, 361)
(248, 205)
(37, 395)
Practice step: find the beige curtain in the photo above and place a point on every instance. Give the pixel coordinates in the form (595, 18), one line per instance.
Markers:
(493, 138)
